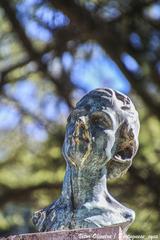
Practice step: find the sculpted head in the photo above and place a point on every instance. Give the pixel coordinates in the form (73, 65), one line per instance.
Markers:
(102, 131)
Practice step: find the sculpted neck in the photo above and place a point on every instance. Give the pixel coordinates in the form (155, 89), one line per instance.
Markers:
(84, 185)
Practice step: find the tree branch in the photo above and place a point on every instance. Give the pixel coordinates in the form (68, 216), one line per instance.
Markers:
(25, 61)
(98, 29)
(136, 7)
(10, 12)
(47, 124)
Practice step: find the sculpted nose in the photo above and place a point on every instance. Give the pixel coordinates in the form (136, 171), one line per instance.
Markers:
(82, 120)
(79, 126)
(81, 123)
(81, 129)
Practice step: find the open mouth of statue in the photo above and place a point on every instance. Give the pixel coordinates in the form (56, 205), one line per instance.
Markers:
(118, 158)
(124, 155)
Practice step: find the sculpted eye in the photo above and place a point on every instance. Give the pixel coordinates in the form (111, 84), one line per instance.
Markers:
(94, 119)
(101, 120)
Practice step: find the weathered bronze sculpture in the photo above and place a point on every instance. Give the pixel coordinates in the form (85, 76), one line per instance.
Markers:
(100, 142)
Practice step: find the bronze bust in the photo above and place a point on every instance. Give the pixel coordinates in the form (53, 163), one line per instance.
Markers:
(100, 142)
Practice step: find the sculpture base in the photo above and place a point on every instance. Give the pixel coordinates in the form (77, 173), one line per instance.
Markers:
(106, 233)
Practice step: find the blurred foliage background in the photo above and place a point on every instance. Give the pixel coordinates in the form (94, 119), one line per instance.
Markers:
(51, 54)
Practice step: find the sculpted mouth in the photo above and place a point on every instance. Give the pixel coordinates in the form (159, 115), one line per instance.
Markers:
(119, 159)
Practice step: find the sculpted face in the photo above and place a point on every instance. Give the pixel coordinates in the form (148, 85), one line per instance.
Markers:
(90, 135)
(98, 133)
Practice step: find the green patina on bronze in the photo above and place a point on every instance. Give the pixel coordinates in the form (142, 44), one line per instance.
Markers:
(100, 142)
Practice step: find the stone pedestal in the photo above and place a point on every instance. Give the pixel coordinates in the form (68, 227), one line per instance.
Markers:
(106, 233)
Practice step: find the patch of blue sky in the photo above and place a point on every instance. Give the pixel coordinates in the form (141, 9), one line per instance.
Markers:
(36, 132)
(155, 41)
(24, 9)
(54, 108)
(109, 13)
(153, 11)
(67, 60)
(48, 105)
(32, 28)
(37, 32)
(25, 92)
(9, 117)
(98, 71)
(52, 17)
(28, 3)
(135, 40)
(49, 16)
(45, 14)
(130, 63)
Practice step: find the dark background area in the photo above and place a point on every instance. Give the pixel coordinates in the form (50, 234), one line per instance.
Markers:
(51, 54)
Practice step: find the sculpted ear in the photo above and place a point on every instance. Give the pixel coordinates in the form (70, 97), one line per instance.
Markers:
(124, 152)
